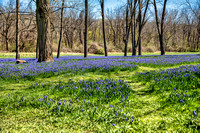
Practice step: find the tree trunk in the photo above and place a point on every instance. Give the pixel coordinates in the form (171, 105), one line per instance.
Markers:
(140, 28)
(161, 28)
(197, 42)
(82, 35)
(72, 40)
(43, 23)
(17, 30)
(61, 27)
(161, 45)
(103, 26)
(134, 35)
(38, 38)
(141, 25)
(128, 27)
(37, 48)
(6, 37)
(126, 37)
(2, 36)
(86, 30)
(66, 45)
(198, 34)
(81, 27)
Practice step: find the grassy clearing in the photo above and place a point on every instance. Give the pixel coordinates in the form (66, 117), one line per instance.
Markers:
(150, 107)
(32, 55)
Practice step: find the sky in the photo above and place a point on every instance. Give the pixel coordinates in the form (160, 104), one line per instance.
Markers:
(114, 3)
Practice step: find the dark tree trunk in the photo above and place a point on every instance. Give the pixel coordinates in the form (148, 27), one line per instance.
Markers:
(103, 26)
(86, 30)
(72, 40)
(197, 42)
(2, 35)
(38, 38)
(161, 28)
(134, 28)
(37, 47)
(141, 25)
(65, 39)
(6, 37)
(198, 33)
(132, 32)
(140, 28)
(43, 23)
(128, 27)
(188, 37)
(126, 37)
(61, 27)
(17, 30)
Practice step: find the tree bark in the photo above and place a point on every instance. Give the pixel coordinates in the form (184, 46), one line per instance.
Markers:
(161, 28)
(6, 37)
(38, 38)
(128, 27)
(61, 27)
(103, 26)
(43, 21)
(37, 48)
(17, 30)
(132, 35)
(134, 28)
(81, 27)
(198, 34)
(86, 30)
(141, 25)
(140, 28)
(127, 36)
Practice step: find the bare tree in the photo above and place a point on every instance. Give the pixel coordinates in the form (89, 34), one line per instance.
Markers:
(127, 28)
(103, 27)
(128, 25)
(142, 21)
(196, 13)
(160, 27)
(86, 30)
(133, 29)
(179, 29)
(61, 27)
(81, 27)
(140, 27)
(17, 30)
(43, 23)
(8, 22)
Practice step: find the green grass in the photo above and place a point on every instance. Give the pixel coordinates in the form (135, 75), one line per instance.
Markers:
(154, 104)
(33, 55)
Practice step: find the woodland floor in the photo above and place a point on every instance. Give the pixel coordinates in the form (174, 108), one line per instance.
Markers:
(154, 113)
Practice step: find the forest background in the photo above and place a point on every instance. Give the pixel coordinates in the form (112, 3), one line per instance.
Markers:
(181, 26)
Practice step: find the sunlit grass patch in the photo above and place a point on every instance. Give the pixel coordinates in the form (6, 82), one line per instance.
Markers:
(101, 101)
(118, 98)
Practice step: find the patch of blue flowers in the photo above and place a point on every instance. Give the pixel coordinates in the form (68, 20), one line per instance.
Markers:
(178, 87)
(166, 60)
(96, 100)
(78, 64)
(34, 69)
(182, 72)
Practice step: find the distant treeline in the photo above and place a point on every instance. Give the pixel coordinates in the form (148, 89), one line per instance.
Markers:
(181, 27)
